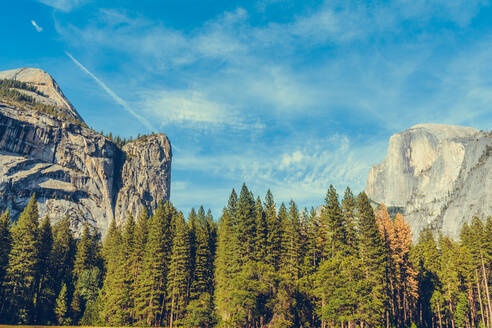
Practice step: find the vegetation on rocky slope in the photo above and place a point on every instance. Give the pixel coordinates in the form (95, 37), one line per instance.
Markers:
(121, 141)
(9, 92)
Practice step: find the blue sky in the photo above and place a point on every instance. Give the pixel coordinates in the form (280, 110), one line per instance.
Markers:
(287, 95)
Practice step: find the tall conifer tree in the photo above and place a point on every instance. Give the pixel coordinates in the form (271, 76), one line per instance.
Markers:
(245, 219)
(45, 291)
(373, 258)
(332, 217)
(179, 272)
(110, 300)
(23, 267)
(63, 255)
(227, 263)
(152, 282)
(348, 211)
(274, 237)
(5, 246)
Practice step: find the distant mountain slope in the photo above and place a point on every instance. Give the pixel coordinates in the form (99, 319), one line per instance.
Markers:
(440, 176)
(49, 91)
(72, 169)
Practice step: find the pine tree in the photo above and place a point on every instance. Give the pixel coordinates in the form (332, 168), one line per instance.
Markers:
(83, 254)
(5, 246)
(193, 219)
(333, 219)
(437, 306)
(61, 310)
(45, 293)
(88, 287)
(136, 268)
(388, 236)
(123, 277)
(263, 268)
(244, 286)
(152, 282)
(284, 314)
(310, 257)
(406, 276)
(63, 255)
(313, 251)
(352, 272)
(199, 311)
(126, 263)
(373, 299)
(202, 276)
(291, 243)
(474, 244)
(89, 281)
(109, 297)
(274, 237)
(425, 257)
(227, 264)
(245, 219)
(23, 267)
(348, 212)
(179, 270)
(212, 245)
(333, 282)
(462, 311)
(330, 290)
(261, 233)
(86, 268)
(448, 276)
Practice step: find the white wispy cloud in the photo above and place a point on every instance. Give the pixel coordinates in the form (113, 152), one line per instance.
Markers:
(235, 58)
(253, 70)
(112, 94)
(63, 5)
(302, 171)
(192, 108)
(36, 26)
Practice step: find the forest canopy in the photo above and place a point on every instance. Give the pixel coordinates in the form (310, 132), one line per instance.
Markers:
(260, 265)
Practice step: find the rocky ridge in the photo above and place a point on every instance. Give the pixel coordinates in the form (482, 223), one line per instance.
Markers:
(438, 176)
(49, 93)
(74, 170)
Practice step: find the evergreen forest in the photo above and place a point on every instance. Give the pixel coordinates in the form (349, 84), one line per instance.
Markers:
(259, 265)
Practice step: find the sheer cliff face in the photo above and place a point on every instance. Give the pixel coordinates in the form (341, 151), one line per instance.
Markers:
(76, 171)
(145, 175)
(439, 176)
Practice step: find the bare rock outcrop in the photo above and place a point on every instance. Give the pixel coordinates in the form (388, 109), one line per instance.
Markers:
(74, 170)
(145, 175)
(439, 176)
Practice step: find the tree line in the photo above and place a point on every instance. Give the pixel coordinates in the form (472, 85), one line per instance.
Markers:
(345, 265)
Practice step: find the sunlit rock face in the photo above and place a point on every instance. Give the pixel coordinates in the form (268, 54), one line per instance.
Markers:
(50, 92)
(74, 170)
(439, 176)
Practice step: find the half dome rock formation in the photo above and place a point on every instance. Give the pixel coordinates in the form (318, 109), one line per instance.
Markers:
(46, 148)
(438, 176)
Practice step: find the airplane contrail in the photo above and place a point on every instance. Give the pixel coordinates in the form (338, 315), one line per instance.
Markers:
(111, 93)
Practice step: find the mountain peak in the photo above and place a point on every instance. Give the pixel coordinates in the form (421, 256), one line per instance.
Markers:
(49, 91)
(439, 176)
(445, 131)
